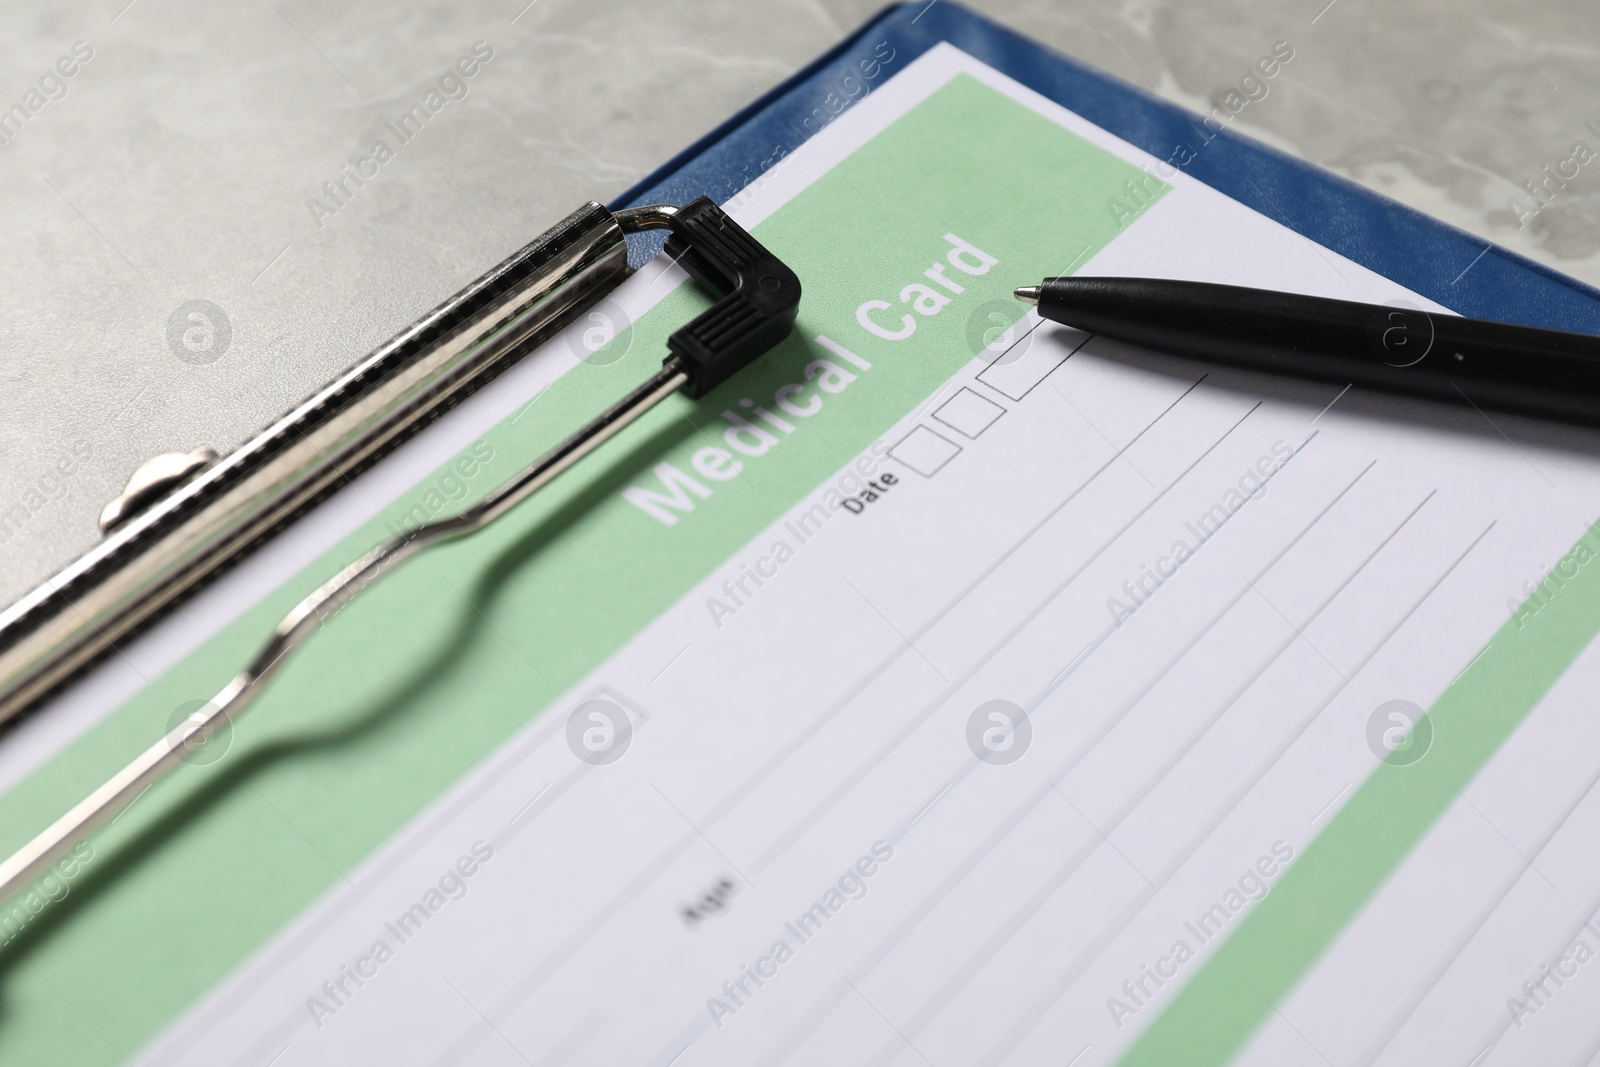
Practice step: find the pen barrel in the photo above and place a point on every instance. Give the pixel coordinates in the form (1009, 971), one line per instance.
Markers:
(165, 552)
(1395, 348)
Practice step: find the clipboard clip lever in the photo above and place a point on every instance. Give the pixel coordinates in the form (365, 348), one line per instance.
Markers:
(759, 295)
(191, 507)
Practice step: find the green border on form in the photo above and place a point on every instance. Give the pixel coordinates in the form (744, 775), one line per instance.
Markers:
(1347, 864)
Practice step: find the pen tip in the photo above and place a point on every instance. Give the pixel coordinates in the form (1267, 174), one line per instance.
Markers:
(1028, 294)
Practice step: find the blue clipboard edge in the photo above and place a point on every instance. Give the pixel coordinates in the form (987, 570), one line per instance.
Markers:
(1399, 242)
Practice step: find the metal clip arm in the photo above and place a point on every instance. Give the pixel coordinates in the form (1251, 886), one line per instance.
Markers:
(757, 300)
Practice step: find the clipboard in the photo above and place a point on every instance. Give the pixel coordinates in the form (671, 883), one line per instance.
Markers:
(1433, 259)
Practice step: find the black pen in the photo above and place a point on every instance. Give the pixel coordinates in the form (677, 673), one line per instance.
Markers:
(1550, 373)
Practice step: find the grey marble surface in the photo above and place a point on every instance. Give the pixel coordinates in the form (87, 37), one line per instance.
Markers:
(176, 163)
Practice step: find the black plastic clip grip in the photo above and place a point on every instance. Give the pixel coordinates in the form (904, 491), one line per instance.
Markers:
(758, 295)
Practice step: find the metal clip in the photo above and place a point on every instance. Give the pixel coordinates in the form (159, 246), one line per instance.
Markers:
(758, 297)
